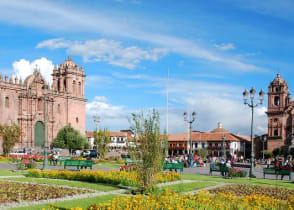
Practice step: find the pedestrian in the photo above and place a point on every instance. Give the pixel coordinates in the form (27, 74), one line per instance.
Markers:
(191, 160)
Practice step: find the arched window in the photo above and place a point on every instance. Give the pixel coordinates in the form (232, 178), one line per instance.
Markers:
(58, 85)
(277, 101)
(40, 107)
(7, 102)
(74, 87)
(80, 88)
(77, 120)
(276, 132)
(64, 84)
(58, 108)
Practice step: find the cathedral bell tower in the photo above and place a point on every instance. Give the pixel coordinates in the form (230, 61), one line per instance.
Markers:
(279, 125)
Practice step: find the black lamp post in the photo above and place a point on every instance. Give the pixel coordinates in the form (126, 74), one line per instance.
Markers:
(190, 121)
(263, 140)
(252, 105)
(224, 147)
(45, 163)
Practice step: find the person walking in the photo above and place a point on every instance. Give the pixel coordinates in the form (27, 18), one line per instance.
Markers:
(191, 160)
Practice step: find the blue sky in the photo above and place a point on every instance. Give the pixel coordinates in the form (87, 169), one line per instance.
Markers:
(213, 50)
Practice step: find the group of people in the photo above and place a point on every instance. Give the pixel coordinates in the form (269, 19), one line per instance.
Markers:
(191, 160)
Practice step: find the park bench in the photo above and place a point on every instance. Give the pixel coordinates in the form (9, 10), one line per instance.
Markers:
(283, 172)
(62, 159)
(222, 168)
(214, 167)
(175, 166)
(128, 161)
(78, 163)
(268, 171)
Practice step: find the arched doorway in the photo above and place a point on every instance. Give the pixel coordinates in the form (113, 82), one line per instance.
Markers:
(39, 134)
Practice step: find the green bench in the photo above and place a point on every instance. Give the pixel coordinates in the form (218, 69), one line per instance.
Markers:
(78, 163)
(283, 172)
(214, 167)
(268, 171)
(128, 161)
(62, 159)
(174, 166)
(222, 168)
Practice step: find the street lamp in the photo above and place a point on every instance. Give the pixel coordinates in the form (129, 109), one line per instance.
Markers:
(190, 126)
(96, 119)
(252, 105)
(224, 147)
(45, 163)
(263, 140)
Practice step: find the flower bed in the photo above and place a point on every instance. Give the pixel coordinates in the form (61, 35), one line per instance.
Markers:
(247, 190)
(108, 177)
(17, 192)
(237, 172)
(203, 200)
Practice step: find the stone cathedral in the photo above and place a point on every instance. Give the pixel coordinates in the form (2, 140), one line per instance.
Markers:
(22, 102)
(280, 114)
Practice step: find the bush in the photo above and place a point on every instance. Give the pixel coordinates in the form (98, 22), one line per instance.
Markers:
(237, 172)
(26, 164)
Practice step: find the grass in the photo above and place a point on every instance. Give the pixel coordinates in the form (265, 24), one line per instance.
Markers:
(93, 186)
(83, 203)
(107, 165)
(276, 183)
(186, 187)
(7, 172)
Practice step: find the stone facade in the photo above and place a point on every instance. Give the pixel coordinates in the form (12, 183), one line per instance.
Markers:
(280, 114)
(23, 103)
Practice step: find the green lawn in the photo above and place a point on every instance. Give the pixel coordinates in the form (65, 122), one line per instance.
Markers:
(107, 165)
(186, 187)
(93, 186)
(83, 203)
(277, 183)
(7, 172)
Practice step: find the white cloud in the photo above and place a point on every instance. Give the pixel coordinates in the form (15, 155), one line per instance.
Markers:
(225, 46)
(106, 50)
(281, 9)
(100, 98)
(65, 17)
(23, 68)
(213, 103)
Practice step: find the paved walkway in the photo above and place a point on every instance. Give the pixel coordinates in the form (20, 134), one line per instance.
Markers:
(197, 170)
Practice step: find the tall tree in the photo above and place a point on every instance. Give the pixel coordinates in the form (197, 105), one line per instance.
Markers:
(102, 140)
(10, 136)
(147, 148)
(70, 138)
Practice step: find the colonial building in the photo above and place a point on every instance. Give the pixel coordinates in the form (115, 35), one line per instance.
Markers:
(23, 103)
(118, 141)
(280, 114)
(214, 141)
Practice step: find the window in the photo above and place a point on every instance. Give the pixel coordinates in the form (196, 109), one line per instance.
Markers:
(277, 101)
(203, 145)
(7, 102)
(77, 120)
(74, 87)
(58, 108)
(40, 104)
(276, 120)
(276, 132)
(64, 84)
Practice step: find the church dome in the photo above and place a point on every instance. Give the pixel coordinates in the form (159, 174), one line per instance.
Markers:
(279, 80)
(219, 129)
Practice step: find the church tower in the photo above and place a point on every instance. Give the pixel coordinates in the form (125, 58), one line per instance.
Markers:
(70, 103)
(279, 124)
